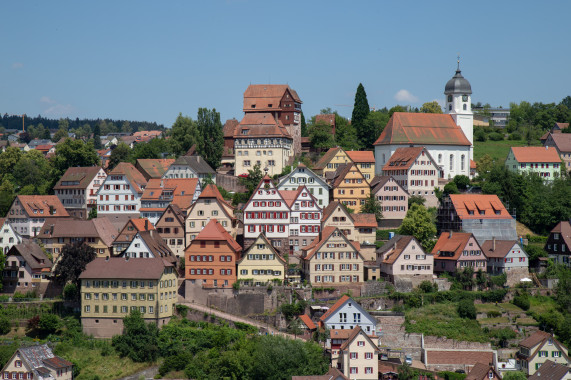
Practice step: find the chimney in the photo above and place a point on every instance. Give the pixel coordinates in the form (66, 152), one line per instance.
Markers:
(51, 210)
(450, 237)
(494, 243)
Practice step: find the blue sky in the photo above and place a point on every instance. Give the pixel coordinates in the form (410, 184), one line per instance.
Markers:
(143, 60)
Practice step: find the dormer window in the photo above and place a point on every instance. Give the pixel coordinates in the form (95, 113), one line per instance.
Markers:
(270, 105)
(245, 131)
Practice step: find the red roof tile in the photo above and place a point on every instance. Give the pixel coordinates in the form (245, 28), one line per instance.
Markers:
(133, 175)
(46, 206)
(535, 154)
(451, 242)
(364, 220)
(404, 158)
(307, 322)
(422, 128)
(261, 125)
(340, 302)
(266, 96)
(479, 206)
(215, 231)
(365, 156)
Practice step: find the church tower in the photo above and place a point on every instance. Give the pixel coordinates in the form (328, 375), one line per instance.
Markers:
(459, 105)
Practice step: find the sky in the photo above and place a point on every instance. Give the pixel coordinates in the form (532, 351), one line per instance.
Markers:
(151, 60)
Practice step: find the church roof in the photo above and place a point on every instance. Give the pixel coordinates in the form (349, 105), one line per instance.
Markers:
(406, 128)
(458, 84)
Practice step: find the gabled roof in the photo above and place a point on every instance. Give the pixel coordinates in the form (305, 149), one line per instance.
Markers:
(283, 180)
(125, 268)
(564, 229)
(357, 331)
(323, 236)
(179, 186)
(535, 154)
(214, 231)
(260, 125)
(196, 163)
(489, 204)
(211, 192)
(331, 207)
(404, 158)
(328, 118)
(56, 362)
(332, 374)
(307, 321)
(289, 196)
(327, 157)
(423, 129)
(45, 206)
(266, 96)
(480, 371)
(155, 243)
(340, 302)
(364, 220)
(37, 356)
(365, 156)
(561, 126)
(154, 168)
(141, 224)
(229, 127)
(379, 181)
(134, 176)
(391, 250)
(550, 371)
(176, 212)
(32, 254)
(562, 141)
(262, 239)
(72, 228)
(77, 177)
(535, 339)
(501, 250)
(451, 242)
(342, 172)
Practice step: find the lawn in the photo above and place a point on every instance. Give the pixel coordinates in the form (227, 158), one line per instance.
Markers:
(107, 366)
(493, 321)
(442, 320)
(526, 321)
(542, 304)
(487, 307)
(498, 150)
(511, 308)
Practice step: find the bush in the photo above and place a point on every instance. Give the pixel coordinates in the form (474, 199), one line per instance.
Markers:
(462, 182)
(5, 325)
(466, 309)
(70, 292)
(514, 136)
(426, 286)
(448, 375)
(494, 136)
(49, 323)
(522, 301)
(480, 135)
(493, 314)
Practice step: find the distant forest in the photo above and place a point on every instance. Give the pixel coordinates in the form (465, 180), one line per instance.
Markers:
(106, 125)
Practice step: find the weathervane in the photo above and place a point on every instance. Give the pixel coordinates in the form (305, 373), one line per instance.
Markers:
(458, 62)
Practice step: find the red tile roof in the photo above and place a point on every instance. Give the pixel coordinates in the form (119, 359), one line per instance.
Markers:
(154, 168)
(479, 206)
(365, 220)
(266, 96)
(307, 322)
(451, 242)
(229, 127)
(215, 231)
(404, 158)
(134, 176)
(46, 206)
(57, 362)
(179, 186)
(458, 357)
(365, 156)
(261, 125)
(394, 247)
(473, 164)
(142, 224)
(535, 154)
(422, 128)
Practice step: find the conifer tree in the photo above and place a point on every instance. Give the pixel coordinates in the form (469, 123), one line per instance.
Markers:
(360, 113)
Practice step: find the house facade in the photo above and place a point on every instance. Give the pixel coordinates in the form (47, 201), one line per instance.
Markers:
(262, 140)
(558, 245)
(261, 263)
(537, 349)
(27, 269)
(332, 259)
(365, 162)
(305, 219)
(331, 160)
(122, 191)
(210, 205)
(77, 189)
(159, 193)
(37, 362)
(128, 232)
(112, 287)
(403, 257)
(416, 171)
(346, 314)
(393, 198)
(543, 161)
(303, 176)
(190, 167)
(171, 227)
(210, 258)
(8, 236)
(350, 187)
(561, 142)
(28, 213)
(149, 244)
(457, 251)
(505, 256)
(359, 356)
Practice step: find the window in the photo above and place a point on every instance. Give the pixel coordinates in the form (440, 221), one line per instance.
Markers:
(354, 355)
(353, 370)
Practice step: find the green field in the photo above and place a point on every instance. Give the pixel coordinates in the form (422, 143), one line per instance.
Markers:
(493, 321)
(511, 308)
(498, 150)
(487, 307)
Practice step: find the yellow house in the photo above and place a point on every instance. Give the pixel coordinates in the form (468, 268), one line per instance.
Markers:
(331, 160)
(365, 161)
(350, 186)
(539, 347)
(112, 287)
(261, 263)
(210, 205)
(358, 356)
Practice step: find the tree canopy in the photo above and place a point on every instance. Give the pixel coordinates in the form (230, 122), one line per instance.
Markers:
(73, 260)
(418, 223)
(210, 144)
(360, 112)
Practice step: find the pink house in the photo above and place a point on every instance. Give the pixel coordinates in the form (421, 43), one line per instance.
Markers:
(393, 197)
(458, 250)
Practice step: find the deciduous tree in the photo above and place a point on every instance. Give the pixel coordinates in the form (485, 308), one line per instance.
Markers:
(183, 135)
(320, 136)
(373, 206)
(431, 107)
(211, 142)
(419, 224)
(73, 260)
(121, 153)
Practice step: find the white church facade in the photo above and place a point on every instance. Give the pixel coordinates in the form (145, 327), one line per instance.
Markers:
(447, 137)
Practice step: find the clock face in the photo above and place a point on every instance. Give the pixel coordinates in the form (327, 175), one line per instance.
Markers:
(464, 98)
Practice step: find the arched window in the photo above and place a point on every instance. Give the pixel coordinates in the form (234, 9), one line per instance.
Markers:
(451, 162)
(383, 158)
(449, 98)
(440, 158)
(465, 107)
(462, 159)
